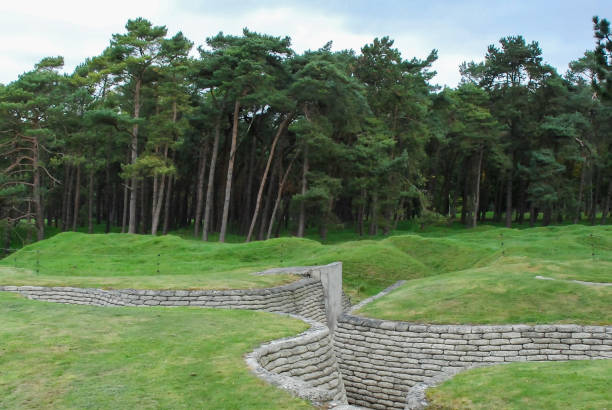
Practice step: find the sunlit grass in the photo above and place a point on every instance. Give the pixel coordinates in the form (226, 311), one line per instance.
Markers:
(552, 385)
(56, 356)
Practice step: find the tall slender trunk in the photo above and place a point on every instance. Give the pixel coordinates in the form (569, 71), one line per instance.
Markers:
(398, 213)
(245, 222)
(112, 218)
(266, 210)
(77, 194)
(509, 200)
(595, 201)
(279, 132)
(134, 157)
(67, 196)
(168, 205)
(110, 191)
(546, 218)
(90, 202)
(158, 196)
(373, 216)
(230, 173)
(465, 208)
(606, 209)
(498, 202)
(40, 219)
(279, 194)
(361, 214)
(302, 218)
(125, 208)
(157, 205)
(323, 224)
(7, 233)
(476, 198)
(578, 215)
(211, 181)
(200, 189)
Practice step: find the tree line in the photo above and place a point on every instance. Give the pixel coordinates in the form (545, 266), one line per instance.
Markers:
(251, 138)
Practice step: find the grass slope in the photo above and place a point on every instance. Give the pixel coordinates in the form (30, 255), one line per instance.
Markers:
(494, 295)
(119, 260)
(61, 356)
(501, 287)
(552, 385)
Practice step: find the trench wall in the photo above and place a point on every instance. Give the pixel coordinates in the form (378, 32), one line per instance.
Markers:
(381, 360)
(303, 298)
(305, 365)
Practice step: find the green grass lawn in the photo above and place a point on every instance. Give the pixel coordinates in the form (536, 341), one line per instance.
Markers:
(552, 385)
(500, 287)
(60, 356)
(370, 265)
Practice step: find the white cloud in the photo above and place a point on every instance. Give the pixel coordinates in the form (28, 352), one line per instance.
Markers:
(80, 29)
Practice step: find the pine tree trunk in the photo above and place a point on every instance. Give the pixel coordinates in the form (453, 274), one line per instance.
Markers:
(606, 209)
(465, 209)
(200, 189)
(134, 157)
(498, 202)
(90, 203)
(362, 209)
(547, 216)
(211, 181)
(373, 214)
(398, 214)
(279, 195)
(67, 196)
(245, 222)
(580, 192)
(533, 216)
(40, 219)
(168, 206)
(77, 194)
(596, 197)
(157, 205)
(125, 208)
(509, 201)
(477, 187)
(230, 172)
(110, 205)
(279, 132)
(302, 218)
(266, 209)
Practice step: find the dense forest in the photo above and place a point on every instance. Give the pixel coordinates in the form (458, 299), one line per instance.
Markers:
(246, 136)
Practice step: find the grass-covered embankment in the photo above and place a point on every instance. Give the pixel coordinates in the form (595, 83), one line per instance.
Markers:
(503, 288)
(133, 261)
(61, 356)
(122, 261)
(552, 385)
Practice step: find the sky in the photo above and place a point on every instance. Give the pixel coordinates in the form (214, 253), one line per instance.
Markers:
(459, 30)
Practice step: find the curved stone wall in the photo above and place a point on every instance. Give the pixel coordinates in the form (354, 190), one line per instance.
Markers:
(305, 365)
(381, 360)
(303, 298)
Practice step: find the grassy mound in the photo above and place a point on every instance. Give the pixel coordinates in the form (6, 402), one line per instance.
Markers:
(552, 385)
(62, 356)
(497, 284)
(138, 261)
(142, 261)
(494, 295)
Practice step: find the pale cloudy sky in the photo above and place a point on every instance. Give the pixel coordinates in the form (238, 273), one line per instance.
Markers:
(460, 30)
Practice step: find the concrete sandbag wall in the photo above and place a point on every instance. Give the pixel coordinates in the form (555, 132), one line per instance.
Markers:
(381, 360)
